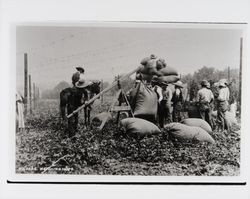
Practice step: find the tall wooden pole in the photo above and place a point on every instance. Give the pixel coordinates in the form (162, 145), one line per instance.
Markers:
(240, 84)
(34, 96)
(102, 89)
(38, 93)
(30, 94)
(25, 82)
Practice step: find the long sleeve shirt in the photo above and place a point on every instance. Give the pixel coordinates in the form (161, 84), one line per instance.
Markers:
(205, 95)
(223, 94)
(167, 95)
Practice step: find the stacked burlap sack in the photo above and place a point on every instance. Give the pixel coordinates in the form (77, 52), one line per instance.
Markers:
(188, 130)
(157, 68)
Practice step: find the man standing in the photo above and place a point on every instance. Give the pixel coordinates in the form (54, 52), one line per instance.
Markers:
(76, 75)
(222, 105)
(165, 105)
(177, 100)
(204, 99)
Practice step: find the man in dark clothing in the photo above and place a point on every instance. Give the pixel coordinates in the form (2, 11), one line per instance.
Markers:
(177, 100)
(76, 75)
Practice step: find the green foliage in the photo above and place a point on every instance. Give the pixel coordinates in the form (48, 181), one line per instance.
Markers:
(212, 75)
(55, 92)
(111, 152)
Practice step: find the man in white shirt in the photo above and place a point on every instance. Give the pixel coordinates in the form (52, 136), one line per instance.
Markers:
(165, 105)
(204, 98)
(222, 105)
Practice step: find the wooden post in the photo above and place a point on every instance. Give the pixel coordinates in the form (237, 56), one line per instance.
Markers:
(25, 82)
(240, 84)
(34, 96)
(30, 96)
(102, 89)
(38, 93)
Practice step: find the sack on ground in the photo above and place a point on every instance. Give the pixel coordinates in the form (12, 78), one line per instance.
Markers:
(197, 122)
(167, 71)
(143, 101)
(168, 79)
(184, 132)
(139, 126)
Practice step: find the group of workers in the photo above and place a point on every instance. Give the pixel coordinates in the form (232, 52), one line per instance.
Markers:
(171, 101)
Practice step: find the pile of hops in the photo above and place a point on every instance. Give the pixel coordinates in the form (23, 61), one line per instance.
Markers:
(157, 70)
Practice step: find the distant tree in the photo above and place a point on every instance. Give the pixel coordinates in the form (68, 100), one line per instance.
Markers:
(54, 93)
(212, 75)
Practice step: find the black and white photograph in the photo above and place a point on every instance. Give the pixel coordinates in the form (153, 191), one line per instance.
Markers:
(128, 99)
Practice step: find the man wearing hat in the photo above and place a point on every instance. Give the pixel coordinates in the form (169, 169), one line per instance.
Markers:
(177, 100)
(222, 105)
(165, 116)
(78, 96)
(76, 75)
(204, 99)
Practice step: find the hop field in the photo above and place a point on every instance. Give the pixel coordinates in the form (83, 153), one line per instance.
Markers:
(45, 148)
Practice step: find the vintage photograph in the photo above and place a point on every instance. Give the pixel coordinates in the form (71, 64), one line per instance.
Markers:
(135, 99)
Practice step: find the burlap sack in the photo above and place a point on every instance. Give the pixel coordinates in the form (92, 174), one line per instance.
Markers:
(197, 122)
(184, 132)
(167, 71)
(139, 126)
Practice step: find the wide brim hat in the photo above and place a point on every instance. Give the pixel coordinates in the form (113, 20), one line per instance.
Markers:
(81, 83)
(152, 56)
(223, 81)
(164, 83)
(80, 68)
(204, 83)
(179, 84)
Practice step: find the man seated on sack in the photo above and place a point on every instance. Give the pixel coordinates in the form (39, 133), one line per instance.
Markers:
(205, 98)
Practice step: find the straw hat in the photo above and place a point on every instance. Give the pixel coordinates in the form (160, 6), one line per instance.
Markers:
(178, 84)
(80, 69)
(204, 83)
(152, 56)
(81, 83)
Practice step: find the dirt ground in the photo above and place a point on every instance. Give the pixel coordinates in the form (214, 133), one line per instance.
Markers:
(45, 148)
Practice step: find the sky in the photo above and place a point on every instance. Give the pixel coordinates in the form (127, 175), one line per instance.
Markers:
(55, 51)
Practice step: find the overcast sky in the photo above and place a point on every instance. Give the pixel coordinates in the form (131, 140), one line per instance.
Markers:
(54, 52)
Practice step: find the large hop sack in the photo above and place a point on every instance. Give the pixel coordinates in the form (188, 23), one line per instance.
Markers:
(149, 70)
(184, 132)
(143, 101)
(197, 122)
(160, 63)
(168, 79)
(139, 126)
(149, 66)
(167, 71)
(145, 60)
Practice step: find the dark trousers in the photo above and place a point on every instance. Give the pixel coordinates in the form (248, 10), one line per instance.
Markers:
(177, 107)
(164, 113)
(221, 115)
(206, 113)
(72, 122)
